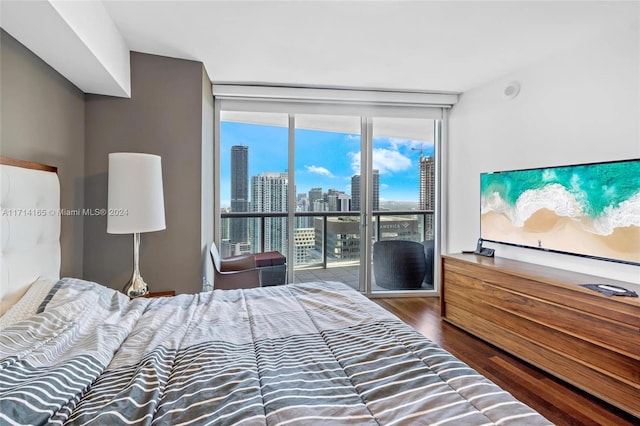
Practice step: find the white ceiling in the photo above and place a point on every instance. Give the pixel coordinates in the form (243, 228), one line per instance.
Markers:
(405, 45)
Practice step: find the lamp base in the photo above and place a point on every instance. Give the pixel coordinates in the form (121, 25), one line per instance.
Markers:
(136, 287)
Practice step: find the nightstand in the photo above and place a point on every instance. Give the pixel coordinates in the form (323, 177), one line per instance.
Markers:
(160, 294)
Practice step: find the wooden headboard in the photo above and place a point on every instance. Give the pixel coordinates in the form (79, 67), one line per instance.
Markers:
(29, 227)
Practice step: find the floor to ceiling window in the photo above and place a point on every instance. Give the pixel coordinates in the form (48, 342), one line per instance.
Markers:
(327, 228)
(322, 181)
(253, 183)
(403, 171)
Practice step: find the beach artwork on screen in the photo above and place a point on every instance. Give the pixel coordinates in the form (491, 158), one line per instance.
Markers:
(588, 209)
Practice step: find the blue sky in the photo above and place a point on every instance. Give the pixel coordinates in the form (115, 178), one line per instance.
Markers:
(324, 159)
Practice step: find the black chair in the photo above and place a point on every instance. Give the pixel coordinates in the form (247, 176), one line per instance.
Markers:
(429, 254)
(399, 265)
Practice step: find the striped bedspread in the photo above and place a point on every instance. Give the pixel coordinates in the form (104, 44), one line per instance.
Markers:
(303, 354)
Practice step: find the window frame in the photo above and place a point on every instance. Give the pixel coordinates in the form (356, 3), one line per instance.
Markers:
(367, 104)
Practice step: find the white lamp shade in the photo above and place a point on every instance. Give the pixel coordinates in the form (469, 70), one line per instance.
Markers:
(135, 199)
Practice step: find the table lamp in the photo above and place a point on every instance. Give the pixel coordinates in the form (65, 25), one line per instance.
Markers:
(135, 204)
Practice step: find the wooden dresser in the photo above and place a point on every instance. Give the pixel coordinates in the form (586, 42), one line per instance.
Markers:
(544, 317)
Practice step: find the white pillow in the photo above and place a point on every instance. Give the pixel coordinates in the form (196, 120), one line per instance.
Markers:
(29, 303)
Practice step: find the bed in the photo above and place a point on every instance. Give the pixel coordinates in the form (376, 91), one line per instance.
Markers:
(77, 352)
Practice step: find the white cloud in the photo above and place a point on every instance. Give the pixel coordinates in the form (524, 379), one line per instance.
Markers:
(387, 160)
(319, 170)
(398, 143)
(384, 160)
(355, 162)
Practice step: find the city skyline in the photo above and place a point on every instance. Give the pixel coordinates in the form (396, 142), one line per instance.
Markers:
(326, 160)
(269, 192)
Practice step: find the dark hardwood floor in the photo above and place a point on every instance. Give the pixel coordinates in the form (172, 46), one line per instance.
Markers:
(558, 401)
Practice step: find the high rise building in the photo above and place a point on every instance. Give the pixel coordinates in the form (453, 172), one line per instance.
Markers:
(343, 234)
(428, 192)
(302, 205)
(238, 229)
(234, 249)
(338, 201)
(355, 191)
(269, 192)
(320, 206)
(304, 244)
(315, 194)
(302, 201)
(427, 183)
(224, 225)
(376, 190)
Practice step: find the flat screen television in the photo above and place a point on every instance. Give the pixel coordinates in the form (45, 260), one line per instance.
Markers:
(590, 210)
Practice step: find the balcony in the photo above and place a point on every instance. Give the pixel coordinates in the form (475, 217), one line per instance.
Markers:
(345, 273)
(326, 244)
(348, 274)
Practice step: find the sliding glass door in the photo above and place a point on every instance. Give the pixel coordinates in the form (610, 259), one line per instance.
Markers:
(325, 188)
(403, 171)
(327, 224)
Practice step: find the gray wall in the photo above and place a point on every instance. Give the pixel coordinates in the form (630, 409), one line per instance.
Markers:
(207, 214)
(164, 117)
(42, 120)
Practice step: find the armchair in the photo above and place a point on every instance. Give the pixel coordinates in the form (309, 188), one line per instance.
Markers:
(399, 264)
(234, 272)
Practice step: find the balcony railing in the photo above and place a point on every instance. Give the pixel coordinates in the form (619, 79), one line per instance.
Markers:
(336, 234)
